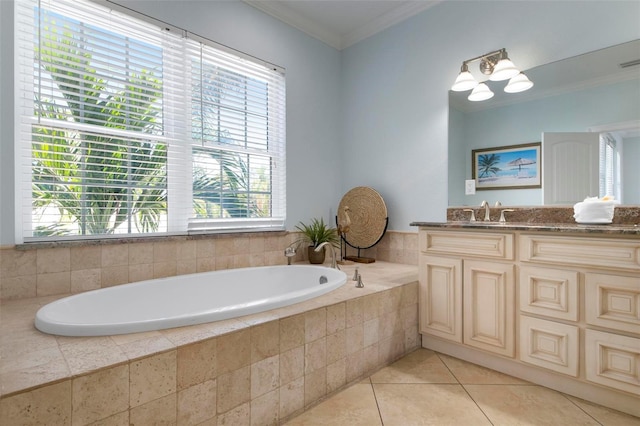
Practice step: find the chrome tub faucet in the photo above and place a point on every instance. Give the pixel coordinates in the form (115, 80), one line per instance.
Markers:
(290, 251)
(334, 264)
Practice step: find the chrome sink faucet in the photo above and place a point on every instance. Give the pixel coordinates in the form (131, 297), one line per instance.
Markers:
(334, 264)
(487, 217)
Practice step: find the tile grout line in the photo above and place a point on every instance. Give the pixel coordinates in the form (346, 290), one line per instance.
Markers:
(447, 367)
(580, 408)
(506, 384)
(392, 380)
(464, 388)
(375, 397)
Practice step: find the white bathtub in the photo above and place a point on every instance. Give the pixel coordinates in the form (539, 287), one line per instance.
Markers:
(185, 300)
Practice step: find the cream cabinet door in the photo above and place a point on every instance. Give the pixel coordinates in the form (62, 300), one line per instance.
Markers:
(489, 306)
(441, 297)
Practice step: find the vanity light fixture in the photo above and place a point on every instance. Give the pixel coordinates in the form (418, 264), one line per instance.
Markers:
(480, 93)
(519, 83)
(465, 80)
(504, 69)
(498, 67)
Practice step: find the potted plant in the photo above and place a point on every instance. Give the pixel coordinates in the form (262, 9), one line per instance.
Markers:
(314, 234)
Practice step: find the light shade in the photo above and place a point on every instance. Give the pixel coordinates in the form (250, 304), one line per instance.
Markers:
(481, 93)
(464, 81)
(504, 70)
(519, 83)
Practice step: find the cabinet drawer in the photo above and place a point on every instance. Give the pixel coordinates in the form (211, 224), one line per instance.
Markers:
(486, 244)
(613, 360)
(597, 252)
(549, 292)
(549, 344)
(613, 301)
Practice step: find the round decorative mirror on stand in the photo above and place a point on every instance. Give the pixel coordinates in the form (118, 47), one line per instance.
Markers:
(362, 221)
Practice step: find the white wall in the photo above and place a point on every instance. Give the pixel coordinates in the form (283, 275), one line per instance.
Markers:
(395, 85)
(376, 113)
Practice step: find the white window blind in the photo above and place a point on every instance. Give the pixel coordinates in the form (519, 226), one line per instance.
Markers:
(237, 133)
(128, 128)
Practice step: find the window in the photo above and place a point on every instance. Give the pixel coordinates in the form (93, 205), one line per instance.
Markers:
(128, 128)
(609, 175)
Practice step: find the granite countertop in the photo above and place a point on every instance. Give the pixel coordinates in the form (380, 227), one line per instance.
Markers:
(612, 229)
(626, 220)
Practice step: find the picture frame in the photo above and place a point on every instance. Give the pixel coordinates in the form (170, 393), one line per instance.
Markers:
(507, 167)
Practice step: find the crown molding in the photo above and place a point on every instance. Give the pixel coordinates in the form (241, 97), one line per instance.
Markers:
(387, 20)
(310, 27)
(626, 129)
(298, 21)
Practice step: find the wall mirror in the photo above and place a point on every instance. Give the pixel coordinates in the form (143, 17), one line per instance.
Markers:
(586, 93)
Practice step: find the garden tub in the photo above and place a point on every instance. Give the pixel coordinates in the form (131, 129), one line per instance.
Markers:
(185, 300)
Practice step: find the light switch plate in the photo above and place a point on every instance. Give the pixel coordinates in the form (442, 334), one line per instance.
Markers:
(470, 186)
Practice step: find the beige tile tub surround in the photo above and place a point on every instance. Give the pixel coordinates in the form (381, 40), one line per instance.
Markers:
(395, 247)
(46, 269)
(259, 370)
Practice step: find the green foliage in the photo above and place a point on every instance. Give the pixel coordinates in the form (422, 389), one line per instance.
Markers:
(100, 182)
(317, 233)
(487, 165)
(223, 192)
(95, 180)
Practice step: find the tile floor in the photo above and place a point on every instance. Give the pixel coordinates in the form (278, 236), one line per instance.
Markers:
(428, 388)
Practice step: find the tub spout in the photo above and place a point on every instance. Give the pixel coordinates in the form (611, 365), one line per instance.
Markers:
(334, 264)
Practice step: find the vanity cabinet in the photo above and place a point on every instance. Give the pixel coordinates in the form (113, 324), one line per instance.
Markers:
(552, 269)
(558, 309)
(467, 289)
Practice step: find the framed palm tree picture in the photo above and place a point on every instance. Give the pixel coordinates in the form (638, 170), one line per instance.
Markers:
(507, 167)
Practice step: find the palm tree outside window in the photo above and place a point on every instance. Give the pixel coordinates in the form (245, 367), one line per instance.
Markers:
(128, 128)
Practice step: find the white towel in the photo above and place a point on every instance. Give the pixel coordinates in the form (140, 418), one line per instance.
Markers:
(594, 210)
